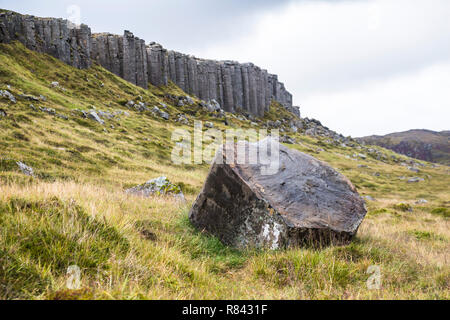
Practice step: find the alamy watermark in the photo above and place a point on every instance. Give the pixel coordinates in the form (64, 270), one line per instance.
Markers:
(73, 281)
(74, 14)
(242, 146)
(374, 281)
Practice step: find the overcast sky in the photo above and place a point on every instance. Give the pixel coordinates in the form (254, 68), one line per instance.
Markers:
(361, 67)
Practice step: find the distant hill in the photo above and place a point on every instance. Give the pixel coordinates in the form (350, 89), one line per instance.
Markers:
(418, 143)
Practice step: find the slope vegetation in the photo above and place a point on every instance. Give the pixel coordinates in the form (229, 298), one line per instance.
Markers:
(74, 211)
(420, 144)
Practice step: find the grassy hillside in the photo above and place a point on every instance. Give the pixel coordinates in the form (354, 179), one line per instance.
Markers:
(75, 212)
(421, 144)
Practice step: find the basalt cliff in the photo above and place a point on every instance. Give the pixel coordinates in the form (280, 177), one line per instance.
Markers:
(233, 85)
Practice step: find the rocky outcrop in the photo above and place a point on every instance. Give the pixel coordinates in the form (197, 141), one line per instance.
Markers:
(233, 85)
(56, 37)
(304, 202)
(420, 144)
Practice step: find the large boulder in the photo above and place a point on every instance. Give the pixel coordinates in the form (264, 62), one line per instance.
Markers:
(303, 202)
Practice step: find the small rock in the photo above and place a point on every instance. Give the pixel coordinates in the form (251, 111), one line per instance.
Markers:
(362, 156)
(189, 100)
(147, 234)
(94, 116)
(182, 119)
(55, 84)
(369, 198)
(415, 179)
(158, 186)
(29, 97)
(48, 110)
(421, 201)
(413, 169)
(25, 169)
(209, 125)
(3, 113)
(8, 95)
(61, 116)
(130, 104)
(213, 106)
(164, 115)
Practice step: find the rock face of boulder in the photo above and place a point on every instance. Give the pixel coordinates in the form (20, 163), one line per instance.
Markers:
(306, 202)
(231, 84)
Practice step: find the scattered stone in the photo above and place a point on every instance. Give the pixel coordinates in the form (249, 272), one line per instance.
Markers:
(413, 169)
(415, 179)
(29, 97)
(305, 201)
(140, 106)
(148, 235)
(8, 95)
(189, 100)
(130, 104)
(48, 110)
(213, 106)
(287, 139)
(209, 125)
(25, 169)
(164, 115)
(421, 201)
(158, 186)
(55, 84)
(33, 107)
(310, 132)
(3, 113)
(61, 116)
(182, 119)
(362, 156)
(157, 112)
(94, 116)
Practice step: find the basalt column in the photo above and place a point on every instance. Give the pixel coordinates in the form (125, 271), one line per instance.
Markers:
(234, 85)
(227, 70)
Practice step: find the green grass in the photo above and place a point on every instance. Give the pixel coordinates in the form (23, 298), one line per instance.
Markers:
(75, 211)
